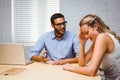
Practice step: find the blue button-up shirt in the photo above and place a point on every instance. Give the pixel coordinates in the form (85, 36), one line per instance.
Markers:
(66, 47)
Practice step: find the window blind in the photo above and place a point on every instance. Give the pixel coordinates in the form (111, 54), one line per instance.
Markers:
(31, 18)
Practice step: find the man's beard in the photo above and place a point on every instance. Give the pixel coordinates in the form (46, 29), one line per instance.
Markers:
(60, 33)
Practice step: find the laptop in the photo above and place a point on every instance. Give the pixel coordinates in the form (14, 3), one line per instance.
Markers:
(13, 53)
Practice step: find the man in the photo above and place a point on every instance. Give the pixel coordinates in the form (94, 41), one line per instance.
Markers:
(61, 46)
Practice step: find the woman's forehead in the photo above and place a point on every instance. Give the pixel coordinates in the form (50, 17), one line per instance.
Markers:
(84, 28)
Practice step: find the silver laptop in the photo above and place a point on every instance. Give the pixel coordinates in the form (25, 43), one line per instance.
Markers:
(13, 53)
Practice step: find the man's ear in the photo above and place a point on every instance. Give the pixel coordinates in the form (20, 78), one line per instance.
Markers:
(52, 25)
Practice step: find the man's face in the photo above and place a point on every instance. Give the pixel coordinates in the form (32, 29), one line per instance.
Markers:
(59, 26)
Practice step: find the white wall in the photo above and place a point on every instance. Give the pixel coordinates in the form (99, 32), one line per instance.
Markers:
(108, 10)
(5, 21)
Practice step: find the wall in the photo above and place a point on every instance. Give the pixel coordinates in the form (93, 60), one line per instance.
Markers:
(5, 21)
(74, 10)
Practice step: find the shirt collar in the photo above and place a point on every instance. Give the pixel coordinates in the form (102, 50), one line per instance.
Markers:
(54, 37)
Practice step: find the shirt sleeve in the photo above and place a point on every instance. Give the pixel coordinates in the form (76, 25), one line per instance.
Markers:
(37, 48)
(76, 45)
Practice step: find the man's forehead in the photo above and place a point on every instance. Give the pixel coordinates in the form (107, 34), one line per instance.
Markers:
(59, 20)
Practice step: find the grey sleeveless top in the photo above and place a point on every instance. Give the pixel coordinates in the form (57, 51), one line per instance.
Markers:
(111, 62)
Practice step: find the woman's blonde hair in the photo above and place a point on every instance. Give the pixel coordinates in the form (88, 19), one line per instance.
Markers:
(91, 19)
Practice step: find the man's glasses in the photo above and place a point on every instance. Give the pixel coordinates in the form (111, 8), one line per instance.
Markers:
(61, 24)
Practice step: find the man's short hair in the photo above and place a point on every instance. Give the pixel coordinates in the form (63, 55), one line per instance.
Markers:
(55, 16)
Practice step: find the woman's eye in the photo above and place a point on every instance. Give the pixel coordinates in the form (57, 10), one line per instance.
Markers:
(86, 32)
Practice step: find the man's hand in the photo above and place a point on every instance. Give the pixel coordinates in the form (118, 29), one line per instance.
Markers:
(64, 61)
(41, 58)
(60, 62)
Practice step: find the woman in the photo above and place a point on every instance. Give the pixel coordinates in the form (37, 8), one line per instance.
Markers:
(104, 52)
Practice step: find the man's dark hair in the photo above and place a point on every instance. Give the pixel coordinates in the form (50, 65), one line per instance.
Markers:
(55, 16)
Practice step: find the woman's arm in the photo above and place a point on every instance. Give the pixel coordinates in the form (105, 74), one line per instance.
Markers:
(84, 57)
(87, 56)
(100, 48)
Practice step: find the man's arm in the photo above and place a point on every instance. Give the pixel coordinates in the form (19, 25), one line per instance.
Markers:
(37, 49)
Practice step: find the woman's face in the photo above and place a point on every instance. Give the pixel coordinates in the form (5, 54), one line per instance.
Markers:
(89, 32)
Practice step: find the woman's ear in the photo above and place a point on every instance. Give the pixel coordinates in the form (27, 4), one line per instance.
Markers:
(96, 26)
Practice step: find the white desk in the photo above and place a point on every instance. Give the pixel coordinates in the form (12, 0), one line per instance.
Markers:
(42, 71)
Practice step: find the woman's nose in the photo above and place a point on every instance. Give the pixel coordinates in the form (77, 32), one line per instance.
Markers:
(86, 36)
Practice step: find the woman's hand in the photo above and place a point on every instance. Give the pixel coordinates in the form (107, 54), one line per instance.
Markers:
(82, 37)
(67, 67)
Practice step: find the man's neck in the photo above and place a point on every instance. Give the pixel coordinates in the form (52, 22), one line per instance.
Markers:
(59, 36)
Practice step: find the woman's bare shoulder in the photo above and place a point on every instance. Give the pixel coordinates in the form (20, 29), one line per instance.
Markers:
(103, 37)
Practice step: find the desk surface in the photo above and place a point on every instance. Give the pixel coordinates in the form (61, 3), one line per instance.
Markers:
(40, 71)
